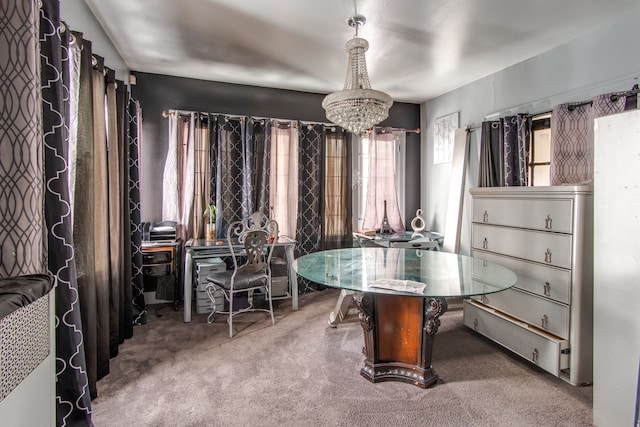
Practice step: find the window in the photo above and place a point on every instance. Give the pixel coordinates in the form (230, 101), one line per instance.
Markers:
(539, 162)
(362, 176)
(284, 177)
(337, 186)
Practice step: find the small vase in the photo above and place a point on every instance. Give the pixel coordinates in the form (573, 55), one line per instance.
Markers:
(210, 232)
(418, 222)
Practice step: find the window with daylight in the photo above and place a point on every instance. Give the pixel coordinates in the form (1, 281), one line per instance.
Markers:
(380, 176)
(539, 161)
(337, 190)
(284, 176)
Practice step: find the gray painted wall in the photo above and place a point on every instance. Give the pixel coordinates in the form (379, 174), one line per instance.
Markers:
(158, 93)
(605, 60)
(79, 17)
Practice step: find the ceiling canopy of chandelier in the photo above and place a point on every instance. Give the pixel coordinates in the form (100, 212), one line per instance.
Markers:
(357, 107)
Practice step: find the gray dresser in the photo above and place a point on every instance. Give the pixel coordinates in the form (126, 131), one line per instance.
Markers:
(545, 235)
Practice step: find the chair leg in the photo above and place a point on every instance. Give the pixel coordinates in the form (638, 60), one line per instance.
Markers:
(230, 318)
(273, 320)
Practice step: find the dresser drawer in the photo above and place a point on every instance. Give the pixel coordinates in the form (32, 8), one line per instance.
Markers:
(545, 248)
(537, 214)
(539, 312)
(544, 350)
(550, 282)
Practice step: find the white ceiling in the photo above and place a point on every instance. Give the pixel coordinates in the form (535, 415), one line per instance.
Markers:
(419, 49)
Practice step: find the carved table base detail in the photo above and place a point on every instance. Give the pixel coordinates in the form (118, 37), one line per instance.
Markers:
(398, 337)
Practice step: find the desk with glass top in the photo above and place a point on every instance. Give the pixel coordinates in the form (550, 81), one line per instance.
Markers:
(197, 249)
(400, 295)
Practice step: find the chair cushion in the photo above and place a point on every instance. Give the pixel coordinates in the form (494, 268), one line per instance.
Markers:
(243, 280)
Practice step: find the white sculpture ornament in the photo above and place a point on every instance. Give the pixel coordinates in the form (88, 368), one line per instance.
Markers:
(418, 224)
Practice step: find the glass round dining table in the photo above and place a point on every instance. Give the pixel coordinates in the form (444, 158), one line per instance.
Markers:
(400, 295)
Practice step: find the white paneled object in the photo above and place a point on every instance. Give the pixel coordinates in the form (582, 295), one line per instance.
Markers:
(545, 235)
(616, 336)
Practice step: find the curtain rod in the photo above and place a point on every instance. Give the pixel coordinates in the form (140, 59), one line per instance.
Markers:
(613, 97)
(167, 114)
(634, 91)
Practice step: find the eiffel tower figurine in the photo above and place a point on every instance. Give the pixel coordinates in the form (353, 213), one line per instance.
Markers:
(385, 228)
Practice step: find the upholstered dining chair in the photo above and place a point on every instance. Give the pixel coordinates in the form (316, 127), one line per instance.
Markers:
(251, 271)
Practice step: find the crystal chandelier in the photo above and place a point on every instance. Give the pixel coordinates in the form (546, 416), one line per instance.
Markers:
(357, 107)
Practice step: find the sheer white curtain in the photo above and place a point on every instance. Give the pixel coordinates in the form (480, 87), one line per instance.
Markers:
(381, 180)
(283, 181)
(179, 177)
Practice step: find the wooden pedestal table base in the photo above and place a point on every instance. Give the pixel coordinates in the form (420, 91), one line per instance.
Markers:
(398, 337)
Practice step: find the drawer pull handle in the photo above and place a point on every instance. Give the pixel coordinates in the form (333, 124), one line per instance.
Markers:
(545, 321)
(547, 256)
(547, 289)
(534, 356)
(485, 243)
(475, 324)
(485, 217)
(547, 222)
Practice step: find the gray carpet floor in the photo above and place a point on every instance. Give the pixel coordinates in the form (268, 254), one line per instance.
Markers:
(301, 372)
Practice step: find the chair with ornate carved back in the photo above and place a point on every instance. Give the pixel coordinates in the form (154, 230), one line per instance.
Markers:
(257, 235)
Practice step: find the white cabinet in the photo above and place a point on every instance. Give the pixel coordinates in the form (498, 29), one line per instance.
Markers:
(545, 235)
(616, 338)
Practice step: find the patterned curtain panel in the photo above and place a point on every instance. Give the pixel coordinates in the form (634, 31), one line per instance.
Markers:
(517, 131)
(125, 309)
(135, 291)
(572, 137)
(228, 180)
(310, 188)
(73, 403)
(22, 237)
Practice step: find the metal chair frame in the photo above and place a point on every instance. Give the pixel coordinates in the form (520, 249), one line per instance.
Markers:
(257, 234)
